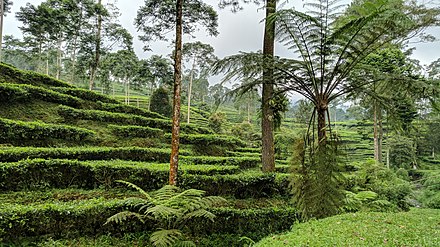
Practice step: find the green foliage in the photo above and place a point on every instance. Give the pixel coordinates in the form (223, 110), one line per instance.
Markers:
(88, 153)
(122, 108)
(29, 92)
(392, 191)
(59, 219)
(10, 74)
(216, 122)
(172, 209)
(203, 140)
(160, 102)
(402, 152)
(86, 95)
(136, 131)
(242, 162)
(413, 228)
(54, 173)
(20, 133)
(245, 131)
(243, 185)
(316, 179)
(72, 114)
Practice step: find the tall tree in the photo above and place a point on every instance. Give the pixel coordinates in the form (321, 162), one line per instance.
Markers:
(329, 46)
(154, 20)
(5, 7)
(267, 123)
(201, 57)
(97, 52)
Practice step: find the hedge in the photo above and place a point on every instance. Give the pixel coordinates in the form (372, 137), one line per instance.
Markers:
(29, 92)
(243, 185)
(18, 131)
(210, 139)
(242, 162)
(40, 173)
(122, 108)
(11, 74)
(86, 95)
(72, 114)
(86, 218)
(88, 153)
(136, 131)
(104, 116)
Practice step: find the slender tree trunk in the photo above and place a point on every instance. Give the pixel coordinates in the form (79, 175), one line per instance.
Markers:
(249, 110)
(128, 91)
(2, 10)
(95, 63)
(191, 75)
(59, 54)
(378, 132)
(47, 63)
(380, 136)
(267, 124)
(174, 159)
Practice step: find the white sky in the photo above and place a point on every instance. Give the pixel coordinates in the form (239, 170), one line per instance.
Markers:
(242, 31)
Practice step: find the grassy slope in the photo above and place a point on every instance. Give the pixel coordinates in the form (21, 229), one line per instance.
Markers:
(418, 227)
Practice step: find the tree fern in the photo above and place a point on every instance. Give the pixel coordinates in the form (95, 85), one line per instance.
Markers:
(171, 208)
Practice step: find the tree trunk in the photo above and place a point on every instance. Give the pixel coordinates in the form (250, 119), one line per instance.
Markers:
(59, 54)
(378, 132)
(95, 63)
(191, 75)
(174, 159)
(2, 10)
(322, 128)
(267, 125)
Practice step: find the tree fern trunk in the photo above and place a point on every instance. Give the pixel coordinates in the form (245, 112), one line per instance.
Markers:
(267, 125)
(174, 159)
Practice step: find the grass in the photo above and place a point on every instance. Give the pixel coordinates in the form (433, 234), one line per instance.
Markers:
(418, 227)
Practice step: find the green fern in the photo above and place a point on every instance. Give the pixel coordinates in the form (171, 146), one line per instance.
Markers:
(170, 207)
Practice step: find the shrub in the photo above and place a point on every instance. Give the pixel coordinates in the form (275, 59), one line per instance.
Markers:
(402, 152)
(17, 132)
(86, 95)
(86, 218)
(11, 74)
(136, 131)
(160, 102)
(56, 173)
(26, 92)
(216, 121)
(242, 162)
(122, 108)
(104, 116)
(88, 153)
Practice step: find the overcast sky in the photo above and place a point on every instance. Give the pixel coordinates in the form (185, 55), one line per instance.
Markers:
(242, 31)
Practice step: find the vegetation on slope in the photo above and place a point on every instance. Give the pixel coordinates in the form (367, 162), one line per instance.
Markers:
(418, 227)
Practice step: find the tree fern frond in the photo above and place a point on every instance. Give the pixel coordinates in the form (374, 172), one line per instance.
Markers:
(139, 189)
(165, 238)
(160, 212)
(200, 213)
(123, 216)
(185, 244)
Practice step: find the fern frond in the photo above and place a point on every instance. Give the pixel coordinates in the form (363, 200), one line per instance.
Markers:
(123, 216)
(162, 212)
(165, 238)
(200, 213)
(139, 189)
(185, 244)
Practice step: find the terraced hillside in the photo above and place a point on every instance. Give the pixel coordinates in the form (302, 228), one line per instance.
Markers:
(63, 148)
